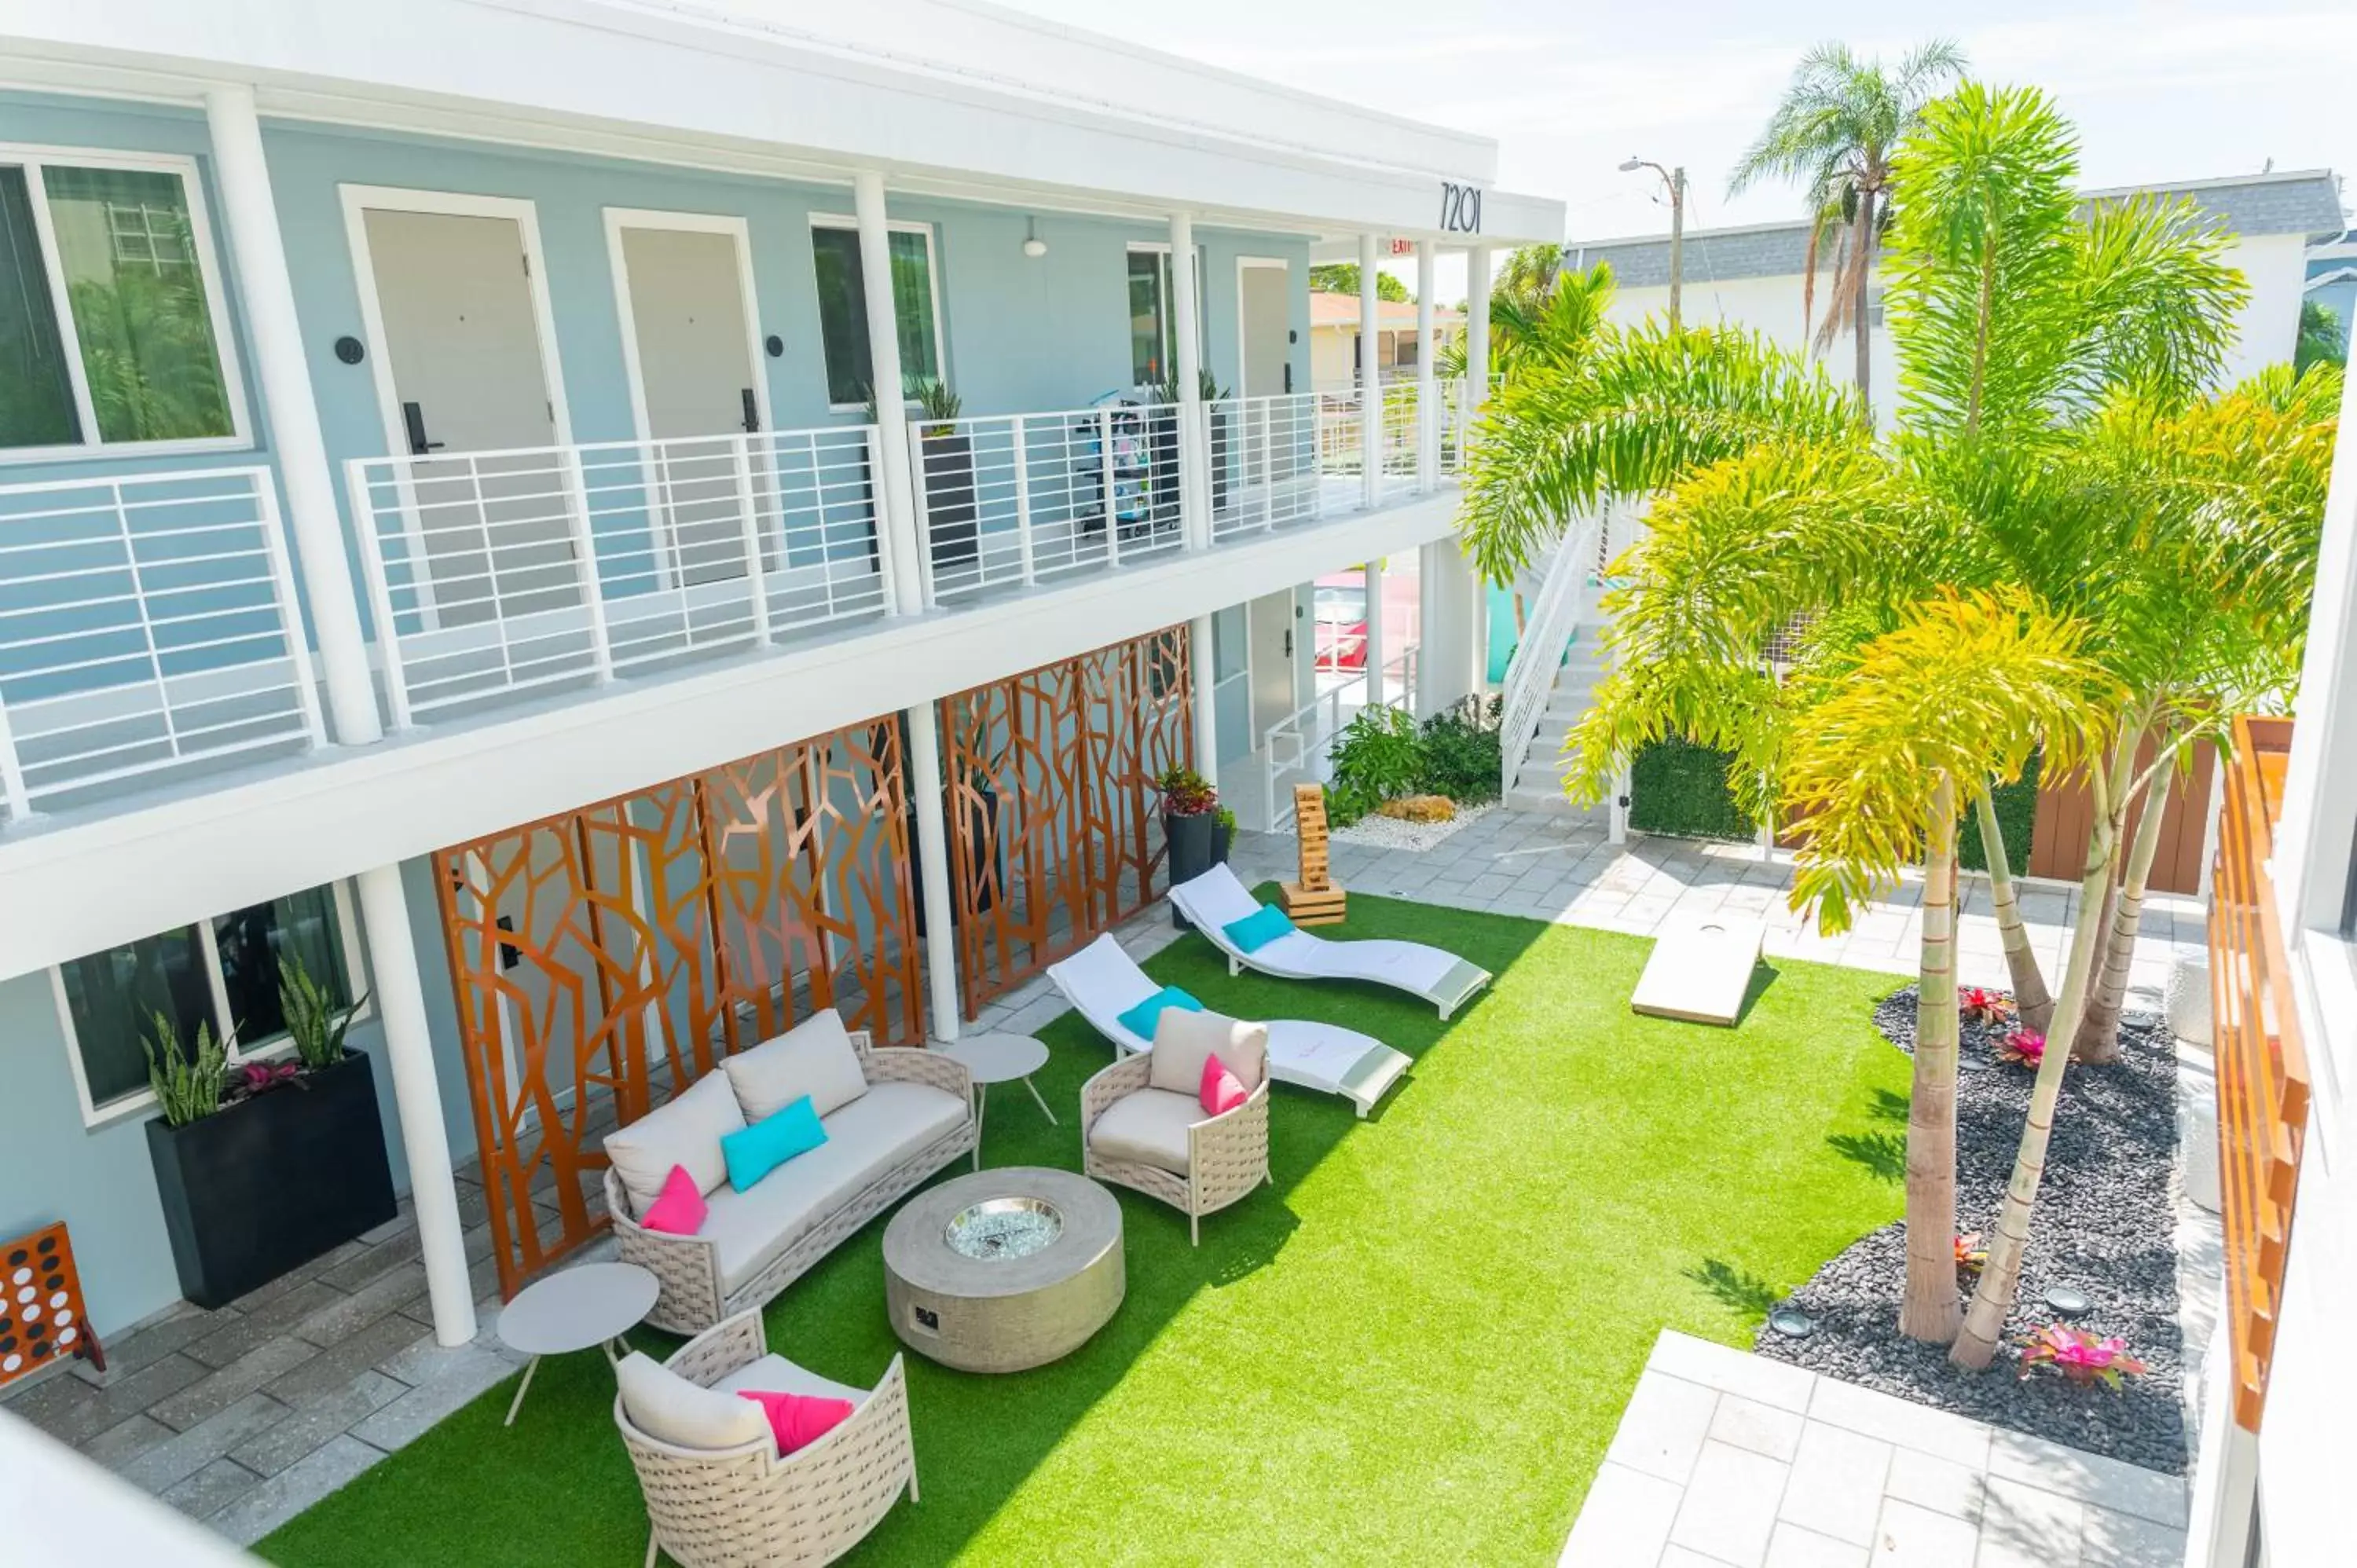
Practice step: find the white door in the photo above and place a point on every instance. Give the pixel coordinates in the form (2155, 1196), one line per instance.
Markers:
(1276, 436)
(1274, 646)
(460, 333)
(695, 382)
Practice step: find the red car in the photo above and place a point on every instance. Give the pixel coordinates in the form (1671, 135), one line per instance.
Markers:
(1339, 611)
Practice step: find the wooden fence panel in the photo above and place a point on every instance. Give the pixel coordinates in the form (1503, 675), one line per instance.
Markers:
(2058, 839)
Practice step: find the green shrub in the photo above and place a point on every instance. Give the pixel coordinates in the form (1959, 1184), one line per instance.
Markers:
(1679, 789)
(1376, 757)
(1461, 751)
(2016, 819)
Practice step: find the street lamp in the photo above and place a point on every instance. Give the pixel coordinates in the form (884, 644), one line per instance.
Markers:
(1675, 179)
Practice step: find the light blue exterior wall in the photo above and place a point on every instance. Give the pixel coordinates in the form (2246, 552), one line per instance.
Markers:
(1020, 334)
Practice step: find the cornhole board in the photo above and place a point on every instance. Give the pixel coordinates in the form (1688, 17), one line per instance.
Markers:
(1700, 969)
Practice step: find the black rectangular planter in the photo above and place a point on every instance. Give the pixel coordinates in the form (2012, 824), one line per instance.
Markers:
(271, 1182)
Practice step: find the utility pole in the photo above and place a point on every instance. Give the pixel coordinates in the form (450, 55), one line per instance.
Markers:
(1675, 179)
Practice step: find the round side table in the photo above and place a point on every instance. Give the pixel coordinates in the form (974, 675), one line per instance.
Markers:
(998, 1058)
(592, 1304)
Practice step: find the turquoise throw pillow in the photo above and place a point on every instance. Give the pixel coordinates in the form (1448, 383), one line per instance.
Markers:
(772, 1141)
(1140, 1020)
(1259, 929)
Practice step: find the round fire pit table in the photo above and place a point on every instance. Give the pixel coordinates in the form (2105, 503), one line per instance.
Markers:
(1003, 1269)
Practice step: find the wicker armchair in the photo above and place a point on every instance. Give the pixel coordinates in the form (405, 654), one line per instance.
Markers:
(693, 1296)
(732, 1508)
(1227, 1156)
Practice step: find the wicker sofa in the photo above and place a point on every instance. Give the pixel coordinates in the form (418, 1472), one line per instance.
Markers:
(908, 1113)
(1140, 1129)
(740, 1502)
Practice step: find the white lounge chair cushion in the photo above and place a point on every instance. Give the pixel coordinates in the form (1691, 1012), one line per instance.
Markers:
(1183, 1040)
(775, 1375)
(814, 1057)
(884, 1126)
(687, 1131)
(670, 1409)
(1147, 1128)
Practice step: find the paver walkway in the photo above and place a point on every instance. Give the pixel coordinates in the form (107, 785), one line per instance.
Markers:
(244, 1417)
(1727, 1460)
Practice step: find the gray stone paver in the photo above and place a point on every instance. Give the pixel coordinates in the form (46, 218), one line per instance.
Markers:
(1880, 1485)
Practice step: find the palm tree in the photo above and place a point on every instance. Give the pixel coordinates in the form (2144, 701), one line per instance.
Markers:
(2052, 456)
(2323, 337)
(1839, 124)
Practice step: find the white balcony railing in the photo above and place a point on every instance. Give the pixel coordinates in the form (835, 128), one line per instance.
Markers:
(499, 573)
(1008, 499)
(1267, 469)
(1302, 742)
(148, 622)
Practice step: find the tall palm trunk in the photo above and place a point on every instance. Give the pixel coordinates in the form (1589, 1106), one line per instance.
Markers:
(1861, 329)
(2029, 995)
(2098, 1039)
(1929, 1309)
(2001, 1275)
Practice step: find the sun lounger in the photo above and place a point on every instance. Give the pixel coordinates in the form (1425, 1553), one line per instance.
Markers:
(1217, 899)
(1102, 982)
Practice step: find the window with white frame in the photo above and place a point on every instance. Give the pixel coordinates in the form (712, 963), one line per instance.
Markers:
(1153, 324)
(112, 325)
(843, 309)
(221, 975)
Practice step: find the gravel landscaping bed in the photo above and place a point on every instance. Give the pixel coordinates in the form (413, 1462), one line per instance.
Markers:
(1391, 833)
(2104, 1224)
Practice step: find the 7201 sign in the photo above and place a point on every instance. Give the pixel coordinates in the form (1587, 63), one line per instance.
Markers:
(1460, 208)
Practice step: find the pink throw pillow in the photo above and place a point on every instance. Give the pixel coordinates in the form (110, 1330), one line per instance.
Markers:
(799, 1420)
(1222, 1091)
(679, 1209)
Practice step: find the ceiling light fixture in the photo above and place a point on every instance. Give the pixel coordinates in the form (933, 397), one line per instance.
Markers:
(1033, 246)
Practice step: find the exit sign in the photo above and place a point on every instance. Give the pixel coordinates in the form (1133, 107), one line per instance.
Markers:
(1402, 247)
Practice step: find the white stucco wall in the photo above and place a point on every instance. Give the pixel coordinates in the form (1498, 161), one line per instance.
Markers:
(2266, 328)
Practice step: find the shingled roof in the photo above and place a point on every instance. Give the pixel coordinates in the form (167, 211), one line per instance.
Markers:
(2302, 201)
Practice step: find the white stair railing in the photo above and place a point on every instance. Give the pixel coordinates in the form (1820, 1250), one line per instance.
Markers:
(1530, 674)
(1303, 740)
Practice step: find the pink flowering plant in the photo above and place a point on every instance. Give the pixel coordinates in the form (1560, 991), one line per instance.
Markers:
(2081, 1357)
(1979, 1004)
(260, 1078)
(2026, 1047)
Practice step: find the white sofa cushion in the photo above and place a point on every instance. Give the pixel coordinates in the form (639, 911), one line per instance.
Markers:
(685, 1132)
(1183, 1040)
(864, 1139)
(814, 1057)
(775, 1375)
(1147, 1128)
(670, 1409)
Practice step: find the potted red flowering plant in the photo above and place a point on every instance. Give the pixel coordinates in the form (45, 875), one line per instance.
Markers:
(2024, 1047)
(1979, 1004)
(1193, 826)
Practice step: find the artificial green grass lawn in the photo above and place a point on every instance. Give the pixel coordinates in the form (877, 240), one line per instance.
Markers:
(1413, 1348)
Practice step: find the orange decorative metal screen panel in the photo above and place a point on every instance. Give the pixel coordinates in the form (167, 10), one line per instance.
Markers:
(2263, 1082)
(607, 956)
(1054, 831)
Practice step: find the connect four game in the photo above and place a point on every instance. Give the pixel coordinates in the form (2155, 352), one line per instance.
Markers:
(41, 1309)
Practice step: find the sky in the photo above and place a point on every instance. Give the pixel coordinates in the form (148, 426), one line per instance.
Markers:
(1570, 88)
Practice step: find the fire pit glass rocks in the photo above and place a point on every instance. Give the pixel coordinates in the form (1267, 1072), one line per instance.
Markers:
(1004, 1228)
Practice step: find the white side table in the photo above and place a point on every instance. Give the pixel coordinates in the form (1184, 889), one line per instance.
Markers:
(593, 1304)
(997, 1059)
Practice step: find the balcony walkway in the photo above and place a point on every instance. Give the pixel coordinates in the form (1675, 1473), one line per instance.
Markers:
(246, 1416)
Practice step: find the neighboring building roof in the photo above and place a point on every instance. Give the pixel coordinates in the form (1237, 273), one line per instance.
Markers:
(2297, 201)
(1343, 310)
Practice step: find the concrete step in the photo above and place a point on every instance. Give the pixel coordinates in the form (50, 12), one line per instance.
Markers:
(1548, 800)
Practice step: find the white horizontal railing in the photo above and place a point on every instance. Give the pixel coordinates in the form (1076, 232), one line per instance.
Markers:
(1006, 500)
(147, 622)
(503, 572)
(1564, 598)
(1267, 469)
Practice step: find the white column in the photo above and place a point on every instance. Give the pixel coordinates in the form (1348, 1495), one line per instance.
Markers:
(1428, 400)
(1374, 654)
(1438, 683)
(1194, 446)
(1205, 671)
(925, 792)
(1476, 326)
(1477, 629)
(906, 555)
(1371, 385)
(251, 213)
(400, 1002)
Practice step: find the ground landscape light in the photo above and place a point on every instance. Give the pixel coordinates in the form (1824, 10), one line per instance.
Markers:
(1791, 1323)
(2068, 1302)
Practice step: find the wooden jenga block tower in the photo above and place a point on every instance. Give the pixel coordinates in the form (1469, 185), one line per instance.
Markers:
(1316, 899)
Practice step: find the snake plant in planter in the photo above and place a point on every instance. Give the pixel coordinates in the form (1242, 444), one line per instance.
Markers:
(951, 516)
(261, 1166)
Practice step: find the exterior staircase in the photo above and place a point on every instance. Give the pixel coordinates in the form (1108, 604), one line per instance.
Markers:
(1538, 783)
